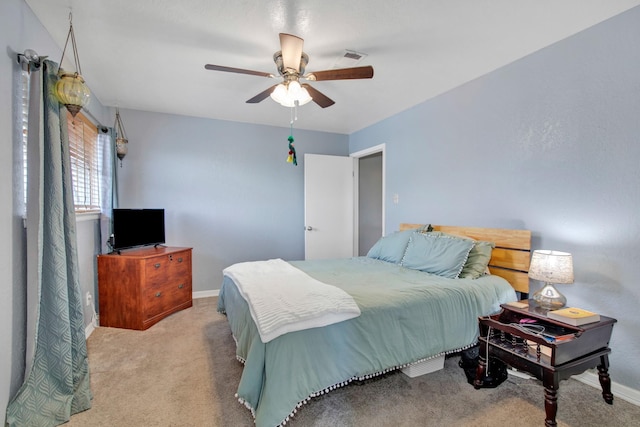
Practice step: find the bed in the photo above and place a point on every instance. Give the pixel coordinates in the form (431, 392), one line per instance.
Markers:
(411, 310)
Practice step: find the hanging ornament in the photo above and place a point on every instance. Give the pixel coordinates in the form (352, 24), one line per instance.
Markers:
(292, 152)
(121, 138)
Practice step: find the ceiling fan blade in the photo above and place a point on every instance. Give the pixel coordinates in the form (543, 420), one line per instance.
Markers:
(261, 96)
(365, 72)
(237, 70)
(291, 47)
(318, 97)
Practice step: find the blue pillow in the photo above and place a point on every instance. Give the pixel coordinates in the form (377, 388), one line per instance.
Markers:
(437, 254)
(391, 248)
(478, 259)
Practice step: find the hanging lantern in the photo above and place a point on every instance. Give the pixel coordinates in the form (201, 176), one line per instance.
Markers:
(121, 138)
(70, 89)
(72, 92)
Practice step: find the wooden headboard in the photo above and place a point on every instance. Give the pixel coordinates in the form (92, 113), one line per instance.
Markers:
(511, 256)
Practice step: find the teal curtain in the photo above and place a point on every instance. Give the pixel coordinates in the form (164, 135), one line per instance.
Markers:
(56, 383)
(108, 188)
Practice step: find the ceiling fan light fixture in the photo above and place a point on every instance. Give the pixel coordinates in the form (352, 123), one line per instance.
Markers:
(291, 93)
(291, 63)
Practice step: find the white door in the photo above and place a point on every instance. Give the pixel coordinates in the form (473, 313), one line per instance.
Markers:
(328, 206)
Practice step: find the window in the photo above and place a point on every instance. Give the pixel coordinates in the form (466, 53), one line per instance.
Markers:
(86, 155)
(85, 163)
(24, 103)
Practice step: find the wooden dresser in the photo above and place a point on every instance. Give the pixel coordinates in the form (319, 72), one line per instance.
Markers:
(139, 287)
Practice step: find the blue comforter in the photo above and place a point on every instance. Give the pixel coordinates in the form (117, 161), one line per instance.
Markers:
(407, 316)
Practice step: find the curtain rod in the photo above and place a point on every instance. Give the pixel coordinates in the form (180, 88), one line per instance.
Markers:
(93, 118)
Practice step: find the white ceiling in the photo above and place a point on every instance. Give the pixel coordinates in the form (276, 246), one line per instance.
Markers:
(150, 54)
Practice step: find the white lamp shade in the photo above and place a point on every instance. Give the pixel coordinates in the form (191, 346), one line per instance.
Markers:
(551, 266)
(279, 93)
(289, 94)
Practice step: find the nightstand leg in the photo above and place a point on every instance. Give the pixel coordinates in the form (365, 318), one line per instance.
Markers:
(550, 405)
(482, 367)
(605, 380)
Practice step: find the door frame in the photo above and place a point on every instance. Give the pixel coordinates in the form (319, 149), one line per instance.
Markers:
(380, 148)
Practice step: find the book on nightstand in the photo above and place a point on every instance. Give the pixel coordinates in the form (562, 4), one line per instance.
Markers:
(573, 316)
(519, 304)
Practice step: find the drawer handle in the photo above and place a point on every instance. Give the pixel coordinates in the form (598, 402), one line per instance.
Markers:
(181, 285)
(180, 259)
(157, 265)
(158, 294)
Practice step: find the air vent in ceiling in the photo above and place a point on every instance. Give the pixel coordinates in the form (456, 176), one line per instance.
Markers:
(349, 58)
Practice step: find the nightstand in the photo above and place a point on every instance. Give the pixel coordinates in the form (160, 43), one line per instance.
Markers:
(513, 337)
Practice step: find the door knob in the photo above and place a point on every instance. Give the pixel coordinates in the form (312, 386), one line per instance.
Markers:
(309, 228)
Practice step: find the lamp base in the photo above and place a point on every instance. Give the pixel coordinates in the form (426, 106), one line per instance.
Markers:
(549, 297)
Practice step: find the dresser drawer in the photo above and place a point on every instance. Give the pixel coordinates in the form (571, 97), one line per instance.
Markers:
(155, 270)
(167, 268)
(180, 265)
(163, 297)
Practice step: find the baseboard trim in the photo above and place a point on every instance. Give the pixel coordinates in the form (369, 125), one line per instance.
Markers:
(206, 294)
(622, 391)
(88, 330)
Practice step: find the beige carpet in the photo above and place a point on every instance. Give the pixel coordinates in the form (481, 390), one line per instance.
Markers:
(183, 372)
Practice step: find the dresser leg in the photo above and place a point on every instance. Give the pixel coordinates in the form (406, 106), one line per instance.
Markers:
(550, 405)
(605, 380)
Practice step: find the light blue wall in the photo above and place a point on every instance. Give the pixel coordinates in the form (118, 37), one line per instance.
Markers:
(226, 188)
(550, 143)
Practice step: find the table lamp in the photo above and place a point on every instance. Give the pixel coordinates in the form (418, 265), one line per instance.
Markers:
(551, 267)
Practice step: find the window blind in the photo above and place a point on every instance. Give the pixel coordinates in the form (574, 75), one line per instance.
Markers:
(85, 163)
(24, 92)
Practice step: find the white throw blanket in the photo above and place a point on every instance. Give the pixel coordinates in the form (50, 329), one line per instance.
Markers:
(285, 299)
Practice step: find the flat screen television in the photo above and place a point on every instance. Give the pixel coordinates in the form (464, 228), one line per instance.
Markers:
(137, 227)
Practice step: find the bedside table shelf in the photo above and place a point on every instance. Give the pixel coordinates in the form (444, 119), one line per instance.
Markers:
(526, 339)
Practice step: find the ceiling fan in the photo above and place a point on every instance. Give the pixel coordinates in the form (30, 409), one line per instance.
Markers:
(291, 62)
